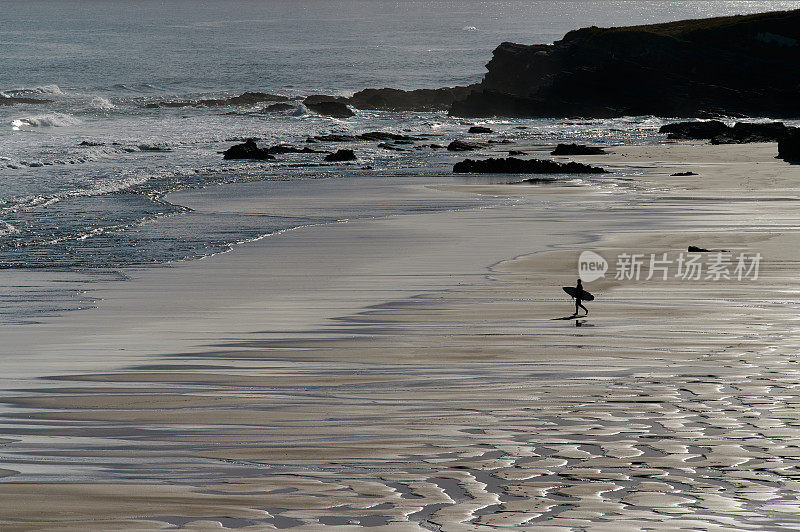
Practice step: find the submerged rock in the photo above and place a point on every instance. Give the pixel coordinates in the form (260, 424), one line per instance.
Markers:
(247, 98)
(513, 165)
(14, 100)
(479, 129)
(682, 174)
(329, 108)
(736, 65)
(341, 155)
(577, 149)
(390, 147)
(247, 150)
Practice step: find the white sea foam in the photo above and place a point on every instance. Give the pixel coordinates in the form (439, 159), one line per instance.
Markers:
(99, 102)
(26, 91)
(7, 229)
(45, 120)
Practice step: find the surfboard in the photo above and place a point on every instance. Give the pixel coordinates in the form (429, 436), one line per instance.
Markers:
(573, 292)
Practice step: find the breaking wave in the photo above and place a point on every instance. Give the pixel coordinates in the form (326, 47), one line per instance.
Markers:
(27, 91)
(45, 120)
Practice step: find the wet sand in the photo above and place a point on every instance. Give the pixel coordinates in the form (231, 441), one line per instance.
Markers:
(437, 388)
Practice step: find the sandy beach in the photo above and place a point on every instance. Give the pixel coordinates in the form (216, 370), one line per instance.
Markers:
(413, 373)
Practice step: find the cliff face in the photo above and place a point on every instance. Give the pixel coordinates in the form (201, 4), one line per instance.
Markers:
(741, 65)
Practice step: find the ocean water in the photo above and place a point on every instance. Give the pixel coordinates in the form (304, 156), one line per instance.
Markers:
(83, 177)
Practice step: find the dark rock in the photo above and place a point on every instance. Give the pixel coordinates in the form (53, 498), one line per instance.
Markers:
(480, 129)
(682, 174)
(90, 143)
(436, 146)
(247, 98)
(369, 136)
(247, 150)
(789, 146)
(280, 107)
(329, 108)
(695, 249)
(318, 98)
(743, 132)
(460, 145)
(694, 130)
(516, 152)
(416, 100)
(341, 155)
(736, 65)
(520, 166)
(383, 136)
(577, 149)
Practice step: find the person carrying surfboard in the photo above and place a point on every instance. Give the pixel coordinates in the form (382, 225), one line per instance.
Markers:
(578, 298)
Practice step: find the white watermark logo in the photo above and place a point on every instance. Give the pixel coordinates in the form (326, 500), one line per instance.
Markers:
(591, 266)
(711, 266)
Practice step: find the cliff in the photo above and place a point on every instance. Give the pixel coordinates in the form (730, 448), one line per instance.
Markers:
(739, 65)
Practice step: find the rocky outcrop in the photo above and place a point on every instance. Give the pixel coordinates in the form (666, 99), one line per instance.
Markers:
(577, 149)
(415, 100)
(479, 129)
(341, 155)
(247, 150)
(739, 65)
(247, 98)
(682, 174)
(460, 145)
(369, 135)
(329, 108)
(513, 165)
(789, 146)
(694, 130)
(742, 133)
(719, 133)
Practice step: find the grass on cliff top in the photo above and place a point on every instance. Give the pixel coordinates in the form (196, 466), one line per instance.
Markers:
(683, 27)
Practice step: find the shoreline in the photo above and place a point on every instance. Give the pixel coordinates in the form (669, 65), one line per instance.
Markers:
(437, 405)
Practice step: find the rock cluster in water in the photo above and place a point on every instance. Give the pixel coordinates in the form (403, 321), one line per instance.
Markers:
(247, 150)
(512, 165)
(720, 133)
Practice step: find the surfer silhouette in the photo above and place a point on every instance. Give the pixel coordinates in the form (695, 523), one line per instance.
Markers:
(580, 295)
(578, 298)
